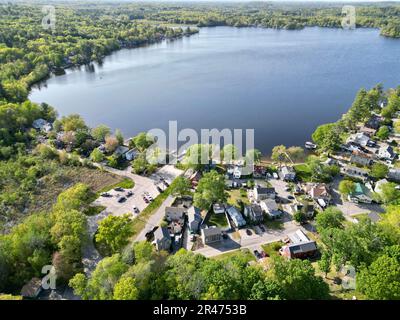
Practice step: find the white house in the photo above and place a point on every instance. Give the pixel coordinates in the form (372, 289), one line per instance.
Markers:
(358, 138)
(270, 207)
(262, 193)
(131, 154)
(42, 125)
(287, 173)
(386, 152)
(236, 217)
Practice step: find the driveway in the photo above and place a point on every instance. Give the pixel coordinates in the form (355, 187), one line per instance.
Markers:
(252, 242)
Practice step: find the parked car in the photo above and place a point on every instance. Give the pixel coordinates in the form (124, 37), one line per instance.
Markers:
(257, 254)
(248, 232)
(136, 209)
(121, 199)
(159, 189)
(106, 195)
(119, 189)
(166, 183)
(262, 228)
(145, 200)
(129, 194)
(290, 197)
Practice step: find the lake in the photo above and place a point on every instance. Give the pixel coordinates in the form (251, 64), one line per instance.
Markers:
(281, 83)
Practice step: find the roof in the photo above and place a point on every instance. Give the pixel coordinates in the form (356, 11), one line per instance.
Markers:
(39, 123)
(264, 190)
(360, 190)
(194, 214)
(317, 190)
(30, 290)
(121, 150)
(236, 215)
(348, 168)
(302, 247)
(287, 170)
(375, 217)
(211, 231)
(360, 159)
(298, 236)
(359, 138)
(161, 233)
(270, 204)
(255, 209)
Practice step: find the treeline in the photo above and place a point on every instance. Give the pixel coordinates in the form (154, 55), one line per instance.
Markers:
(139, 272)
(54, 238)
(28, 52)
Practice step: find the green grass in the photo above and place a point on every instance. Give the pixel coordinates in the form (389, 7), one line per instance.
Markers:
(273, 224)
(127, 183)
(237, 194)
(244, 253)
(303, 172)
(272, 249)
(94, 210)
(218, 220)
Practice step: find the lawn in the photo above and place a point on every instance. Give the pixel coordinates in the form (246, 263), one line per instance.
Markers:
(237, 194)
(273, 224)
(236, 253)
(125, 183)
(272, 249)
(218, 220)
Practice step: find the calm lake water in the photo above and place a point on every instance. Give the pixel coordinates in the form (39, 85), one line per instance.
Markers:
(281, 83)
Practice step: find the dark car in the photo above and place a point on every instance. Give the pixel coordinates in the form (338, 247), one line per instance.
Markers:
(262, 228)
(159, 189)
(257, 254)
(129, 194)
(106, 195)
(135, 210)
(145, 200)
(248, 232)
(119, 189)
(290, 197)
(224, 236)
(121, 199)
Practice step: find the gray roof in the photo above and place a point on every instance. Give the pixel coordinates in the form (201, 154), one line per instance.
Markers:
(194, 214)
(211, 231)
(161, 233)
(302, 247)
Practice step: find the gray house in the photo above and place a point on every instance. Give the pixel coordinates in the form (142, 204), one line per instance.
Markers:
(271, 209)
(394, 174)
(287, 173)
(262, 193)
(162, 239)
(254, 212)
(194, 219)
(361, 159)
(211, 235)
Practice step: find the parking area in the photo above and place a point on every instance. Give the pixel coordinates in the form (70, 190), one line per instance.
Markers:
(143, 185)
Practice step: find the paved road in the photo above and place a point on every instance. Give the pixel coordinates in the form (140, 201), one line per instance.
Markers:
(155, 219)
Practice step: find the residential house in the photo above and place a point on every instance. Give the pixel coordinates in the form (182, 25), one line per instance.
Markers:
(32, 289)
(368, 131)
(121, 150)
(254, 212)
(379, 184)
(270, 207)
(218, 208)
(358, 138)
(300, 246)
(131, 154)
(361, 194)
(355, 172)
(162, 239)
(386, 152)
(394, 174)
(305, 207)
(42, 125)
(262, 193)
(318, 191)
(287, 173)
(194, 219)
(374, 122)
(361, 159)
(175, 213)
(211, 235)
(236, 216)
